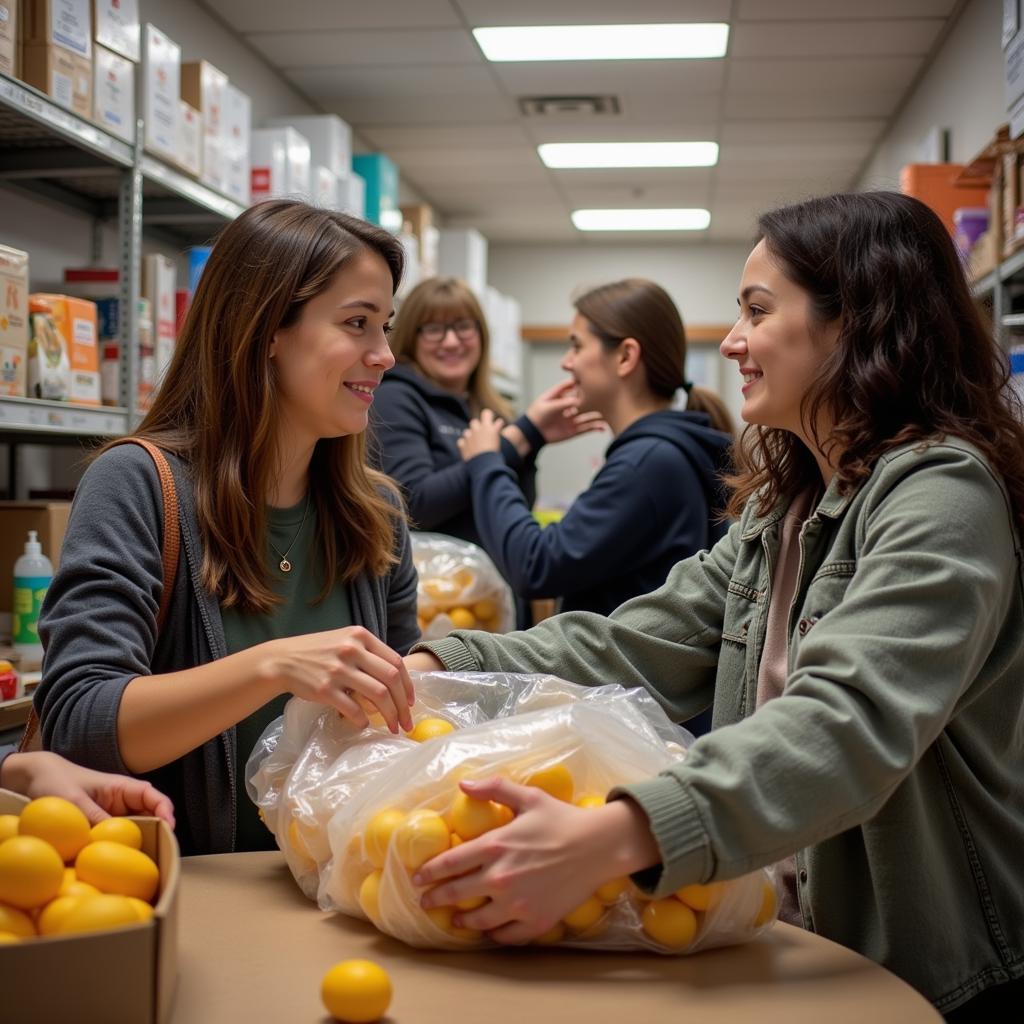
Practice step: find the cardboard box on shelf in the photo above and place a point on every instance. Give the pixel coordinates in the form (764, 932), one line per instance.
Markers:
(280, 164)
(353, 195)
(63, 23)
(64, 76)
(115, 25)
(9, 56)
(75, 321)
(13, 321)
(330, 139)
(420, 218)
(190, 139)
(237, 131)
(204, 87)
(113, 100)
(125, 976)
(159, 91)
(935, 185)
(48, 518)
(159, 281)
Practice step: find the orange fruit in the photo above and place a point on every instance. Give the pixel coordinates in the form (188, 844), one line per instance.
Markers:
(143, 910)
(31, 872)
(700, 897)
(485, 609)
(611, 891)
(470, 817)
(120, 830)
(379, 831)
(9, 938)
(358, 991)
(369, 896)
(590, 800)
(429, 729)
(98, 914)
(767, 908)
(51, 916)
(585, 916)
(442, 917)
(554, 934)
(441, 590)
(59, 822)
(462, 618)
(421, 836)
(670, 923)
(16, 921)
(118, 869)
(556, 780)
(8, 826)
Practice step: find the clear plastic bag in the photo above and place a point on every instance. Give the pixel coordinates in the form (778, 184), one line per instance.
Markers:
(459, 588)
(355, 812)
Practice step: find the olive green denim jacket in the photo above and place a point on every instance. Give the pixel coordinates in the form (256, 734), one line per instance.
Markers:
(893, 762)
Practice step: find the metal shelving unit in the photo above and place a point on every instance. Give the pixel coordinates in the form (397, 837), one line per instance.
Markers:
(996, 290)
(51, 153)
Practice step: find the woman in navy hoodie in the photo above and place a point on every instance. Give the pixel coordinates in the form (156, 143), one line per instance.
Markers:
(441, 381)
(655, 499)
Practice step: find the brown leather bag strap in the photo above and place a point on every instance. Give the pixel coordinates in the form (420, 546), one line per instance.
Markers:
(30, 738)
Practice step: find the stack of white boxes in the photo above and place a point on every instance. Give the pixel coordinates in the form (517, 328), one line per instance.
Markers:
(159, 92)
(462, 253)
(204, 88)
(330, 153)
(118, 48)
(280, 164)
(237, 140)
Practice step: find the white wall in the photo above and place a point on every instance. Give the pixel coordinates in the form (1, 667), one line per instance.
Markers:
(962, 90)
(702, 280)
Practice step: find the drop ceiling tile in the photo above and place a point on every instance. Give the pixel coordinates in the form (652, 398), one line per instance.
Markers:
(822, 132)
(402, 83)
(425, 111)
(797, 10)
(275, 16)
(416, 136)
(594, 12)
(481, 158)
(774, 77)
(620, 129)
(834, 38)
(482, 197)
(766, 153)
(635, 177)
(460, 174)
(637, 196)
(860, 103)
(347, 48)
(680, 78)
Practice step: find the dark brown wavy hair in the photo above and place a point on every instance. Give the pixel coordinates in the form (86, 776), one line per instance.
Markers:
(914, 360)
(218, 407)
(640, 309)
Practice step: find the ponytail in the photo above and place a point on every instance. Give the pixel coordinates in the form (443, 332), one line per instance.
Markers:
(706, 401)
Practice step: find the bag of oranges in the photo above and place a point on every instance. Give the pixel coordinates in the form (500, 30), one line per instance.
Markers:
(356, 813)
(459, 588)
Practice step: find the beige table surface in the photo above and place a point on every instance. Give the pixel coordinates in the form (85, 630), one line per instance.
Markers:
(252, 948)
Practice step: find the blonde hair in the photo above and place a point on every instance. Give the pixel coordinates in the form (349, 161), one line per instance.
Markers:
(439, 299)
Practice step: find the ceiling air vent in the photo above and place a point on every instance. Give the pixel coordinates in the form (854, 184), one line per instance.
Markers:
(574, 106)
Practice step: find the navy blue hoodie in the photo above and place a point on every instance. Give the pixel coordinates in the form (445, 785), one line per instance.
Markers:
(416, 427)
(646, 509)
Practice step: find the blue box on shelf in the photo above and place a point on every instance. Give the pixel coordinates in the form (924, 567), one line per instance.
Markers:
(197, 257)
(381, 176)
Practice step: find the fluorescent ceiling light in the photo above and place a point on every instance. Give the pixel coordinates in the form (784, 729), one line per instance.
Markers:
(629, 154)
(641, 220)
(603, 42)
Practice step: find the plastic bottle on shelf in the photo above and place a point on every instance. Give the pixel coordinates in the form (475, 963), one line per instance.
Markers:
(33, 572)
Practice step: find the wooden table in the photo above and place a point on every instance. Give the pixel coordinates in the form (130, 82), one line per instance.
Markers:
(253, 949)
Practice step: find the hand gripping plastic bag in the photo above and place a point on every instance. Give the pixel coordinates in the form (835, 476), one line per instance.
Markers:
(357, 812)
(459, 588)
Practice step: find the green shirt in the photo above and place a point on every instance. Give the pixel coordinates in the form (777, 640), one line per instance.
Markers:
(296, 614)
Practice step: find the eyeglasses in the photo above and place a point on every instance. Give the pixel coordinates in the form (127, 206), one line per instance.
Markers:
(465, 329)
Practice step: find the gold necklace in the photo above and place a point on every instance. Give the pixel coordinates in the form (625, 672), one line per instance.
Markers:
(284, 565)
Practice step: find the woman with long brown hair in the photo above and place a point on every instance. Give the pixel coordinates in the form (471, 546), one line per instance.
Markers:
(441, 381)
(860, 631)
(658, 497)
(294, 577)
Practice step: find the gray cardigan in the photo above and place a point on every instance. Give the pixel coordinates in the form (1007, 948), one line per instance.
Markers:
(98, 626)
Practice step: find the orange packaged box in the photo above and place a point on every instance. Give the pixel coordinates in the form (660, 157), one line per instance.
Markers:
(75, 321)
(121, 976)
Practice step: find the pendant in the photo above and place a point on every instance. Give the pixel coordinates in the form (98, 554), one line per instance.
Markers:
(284, 565)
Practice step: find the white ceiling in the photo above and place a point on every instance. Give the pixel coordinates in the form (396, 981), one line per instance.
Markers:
(798, 104)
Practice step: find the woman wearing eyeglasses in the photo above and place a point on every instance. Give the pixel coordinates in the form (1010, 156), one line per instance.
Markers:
(440, 383)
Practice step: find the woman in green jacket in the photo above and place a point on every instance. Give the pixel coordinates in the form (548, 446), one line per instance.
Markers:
(860, 631)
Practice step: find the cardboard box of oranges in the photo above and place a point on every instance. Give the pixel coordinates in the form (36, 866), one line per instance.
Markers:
(125, 975)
